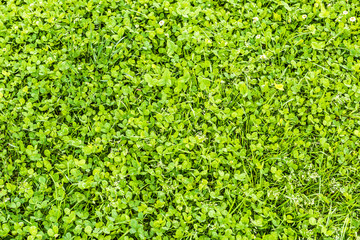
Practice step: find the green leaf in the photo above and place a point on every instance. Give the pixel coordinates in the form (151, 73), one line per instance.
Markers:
(212, 213)
(166, 78)
(318, 45)
(324, 13)
(152, 82)
(240, 177)
(171, 47)
(312, 221)
(33, 230)
(88, 149)
(133, 223)
(182, 81)
(243, 89)
(279, 86)
(204, 83)
(88, 229)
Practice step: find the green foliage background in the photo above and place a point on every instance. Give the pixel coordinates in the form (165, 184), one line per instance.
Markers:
(196, 119)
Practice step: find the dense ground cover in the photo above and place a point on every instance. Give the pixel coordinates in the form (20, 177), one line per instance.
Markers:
(193, 119)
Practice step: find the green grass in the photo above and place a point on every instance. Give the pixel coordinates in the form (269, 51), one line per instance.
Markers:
(179, 119)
